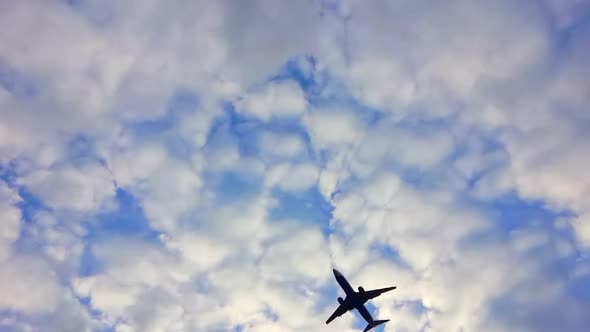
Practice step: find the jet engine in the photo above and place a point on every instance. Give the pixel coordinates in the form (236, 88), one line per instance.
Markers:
(361, 289)
(340, 300)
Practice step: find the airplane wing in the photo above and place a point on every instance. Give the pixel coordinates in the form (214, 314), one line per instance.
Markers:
(341, 310)
(371, 294)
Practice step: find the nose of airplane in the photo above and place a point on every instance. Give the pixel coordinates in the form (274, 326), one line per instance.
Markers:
(336, 272)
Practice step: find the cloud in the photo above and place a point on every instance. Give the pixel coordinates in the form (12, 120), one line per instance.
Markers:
(428, 57)
(329, 127)
(282, 146)
(29, 285)
(69, 188)
(176, 166)
(11, 220)
(296, 177)
(275, 99)
(201, 252)
(389, 143)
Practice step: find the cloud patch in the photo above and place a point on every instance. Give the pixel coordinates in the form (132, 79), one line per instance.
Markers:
(186, 166)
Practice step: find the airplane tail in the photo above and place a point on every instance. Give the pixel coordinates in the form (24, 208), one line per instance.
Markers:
(377, 322)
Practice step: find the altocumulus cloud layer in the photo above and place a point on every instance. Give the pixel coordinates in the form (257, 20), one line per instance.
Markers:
(202, 165)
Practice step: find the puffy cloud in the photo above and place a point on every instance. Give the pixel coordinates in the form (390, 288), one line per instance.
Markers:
(274, 99)
(413, 120)
(414, 53)
(29, 285)
(543, 131)
(202, 252)
(168, 187)
(281, 145)
(11, 220)
(285, 257)
(71, 317)
(297, 177)
(424, 228)
(412, 147)
(82, 189)
(128, 278)
(329, 127)
(258, 51)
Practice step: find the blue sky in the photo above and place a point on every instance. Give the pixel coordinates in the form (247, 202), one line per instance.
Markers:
(202, 166)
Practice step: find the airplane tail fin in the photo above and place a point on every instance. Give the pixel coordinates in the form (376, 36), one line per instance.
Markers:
(377, 322)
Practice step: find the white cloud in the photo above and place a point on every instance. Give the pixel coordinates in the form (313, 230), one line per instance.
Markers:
(327, 182)
(223, 158)
(281, 145)
(414, 148)
(117, 292)
(440, 275)
(164, 315)
(422, 227)
(274, 99)
(195, 126)
(581, 226)
(285, 257)
(168, 187)
(85, 76)
(132, 165)
(82, 189)
(296, 177)
(412, 52)
(28, 284)
(202, 252)
(257, 51)
(10, 216)
(442, 79)
(170, 192)
(545, 135)
(329, 127)
(128, 284)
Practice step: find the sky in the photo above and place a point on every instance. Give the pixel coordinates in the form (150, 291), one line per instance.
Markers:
(176, 165)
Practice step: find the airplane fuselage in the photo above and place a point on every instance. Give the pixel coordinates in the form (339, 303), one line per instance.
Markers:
(352, 296)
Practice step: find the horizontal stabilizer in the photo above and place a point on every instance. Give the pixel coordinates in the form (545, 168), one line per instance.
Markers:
(377, 322)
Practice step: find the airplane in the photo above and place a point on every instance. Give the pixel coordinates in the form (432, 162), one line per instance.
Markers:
(357, 300)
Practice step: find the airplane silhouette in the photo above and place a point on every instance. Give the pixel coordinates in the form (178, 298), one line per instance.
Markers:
(357, 300)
